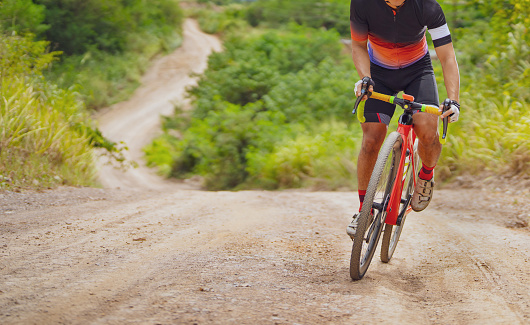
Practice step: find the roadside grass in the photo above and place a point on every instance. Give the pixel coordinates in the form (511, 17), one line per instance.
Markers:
(324, 158)
(492, 136)
(38, 145)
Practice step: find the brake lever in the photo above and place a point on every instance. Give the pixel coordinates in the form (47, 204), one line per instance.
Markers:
(364, 91)
(446, 107)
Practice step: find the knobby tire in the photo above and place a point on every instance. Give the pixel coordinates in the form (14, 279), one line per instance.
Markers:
(369, 229)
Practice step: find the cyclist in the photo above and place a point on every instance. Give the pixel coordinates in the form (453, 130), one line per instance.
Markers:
(389, 46)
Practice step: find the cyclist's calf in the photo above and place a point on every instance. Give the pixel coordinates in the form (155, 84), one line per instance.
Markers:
(426, 129)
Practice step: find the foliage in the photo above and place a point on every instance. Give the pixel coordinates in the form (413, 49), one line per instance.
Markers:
(253, 66)
(77, 26)
(493, 132)
(40, 144)
(312, 13)
(234, 135)
(106, 78)
(328, 14)
(230, 18)
(492, 136)
(106, 45)
(222, 2)
(22, 16)
(322, 158)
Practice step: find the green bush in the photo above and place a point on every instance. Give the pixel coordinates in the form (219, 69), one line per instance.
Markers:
(273, 110)
(322, 158)
(22, 16)
(241, 114)
(78, 26)
(330, 14)
(230, 18)
(108, 45)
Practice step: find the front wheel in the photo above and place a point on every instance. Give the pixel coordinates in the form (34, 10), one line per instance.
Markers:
(391, 233)
(373, 212)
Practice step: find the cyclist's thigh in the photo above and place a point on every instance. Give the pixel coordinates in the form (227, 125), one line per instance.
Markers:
(423, 88)
(378, 111)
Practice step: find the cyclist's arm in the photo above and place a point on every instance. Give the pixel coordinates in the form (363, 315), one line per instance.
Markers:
(361, 58)
(359, 38)
(446, 54)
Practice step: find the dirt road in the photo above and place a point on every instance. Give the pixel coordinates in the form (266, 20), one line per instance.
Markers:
(147, 251)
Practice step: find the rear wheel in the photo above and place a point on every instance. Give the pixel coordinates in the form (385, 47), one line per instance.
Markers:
(372, 217)
(391, 233)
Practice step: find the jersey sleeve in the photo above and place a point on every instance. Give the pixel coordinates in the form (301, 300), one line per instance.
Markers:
(434, 19)
(358, 23)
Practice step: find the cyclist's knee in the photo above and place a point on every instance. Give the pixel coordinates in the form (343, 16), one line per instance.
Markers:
(428, 136)
(426, 130)
(373, 138)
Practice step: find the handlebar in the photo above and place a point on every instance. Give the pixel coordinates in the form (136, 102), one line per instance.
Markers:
(408, 104)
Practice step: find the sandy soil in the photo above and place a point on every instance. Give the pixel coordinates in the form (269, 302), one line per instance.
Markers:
(143, 250)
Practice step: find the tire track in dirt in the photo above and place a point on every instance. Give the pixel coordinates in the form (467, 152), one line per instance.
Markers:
(210, 257)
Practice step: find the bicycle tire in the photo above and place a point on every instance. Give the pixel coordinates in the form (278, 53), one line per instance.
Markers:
(379, 188)
(392, 233)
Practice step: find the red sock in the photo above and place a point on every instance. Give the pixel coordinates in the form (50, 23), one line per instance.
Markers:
(426, 173)
(362, 193)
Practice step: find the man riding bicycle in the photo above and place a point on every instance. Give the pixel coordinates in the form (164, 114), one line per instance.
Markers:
(389, 46)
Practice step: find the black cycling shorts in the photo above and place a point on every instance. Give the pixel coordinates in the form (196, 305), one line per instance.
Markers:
(417, 80)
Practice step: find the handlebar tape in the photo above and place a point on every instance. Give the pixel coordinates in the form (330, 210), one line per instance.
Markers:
(383, 97)
(430, 109)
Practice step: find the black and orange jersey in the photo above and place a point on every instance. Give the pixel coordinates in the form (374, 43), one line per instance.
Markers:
(396, 38)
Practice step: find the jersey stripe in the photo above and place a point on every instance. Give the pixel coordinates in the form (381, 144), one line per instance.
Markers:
(388, 56)
(442, 41)
(439, 32)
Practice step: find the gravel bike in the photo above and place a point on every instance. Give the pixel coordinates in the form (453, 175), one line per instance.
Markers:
(389, 193)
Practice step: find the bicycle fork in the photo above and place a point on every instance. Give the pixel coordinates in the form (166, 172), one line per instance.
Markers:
(407, 150)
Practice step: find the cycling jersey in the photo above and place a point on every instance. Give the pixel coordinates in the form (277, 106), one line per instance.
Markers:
(396, 37)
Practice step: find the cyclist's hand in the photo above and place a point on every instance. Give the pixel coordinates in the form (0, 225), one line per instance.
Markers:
(359, 84)
(453, 112)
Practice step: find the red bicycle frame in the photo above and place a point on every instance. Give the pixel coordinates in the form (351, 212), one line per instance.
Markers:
(406, 129)
(409, 136)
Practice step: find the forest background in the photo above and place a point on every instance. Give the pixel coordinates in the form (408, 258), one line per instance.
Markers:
(272, 111)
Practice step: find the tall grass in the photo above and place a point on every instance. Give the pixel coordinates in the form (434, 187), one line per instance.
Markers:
(40, 141)
(493, 135)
